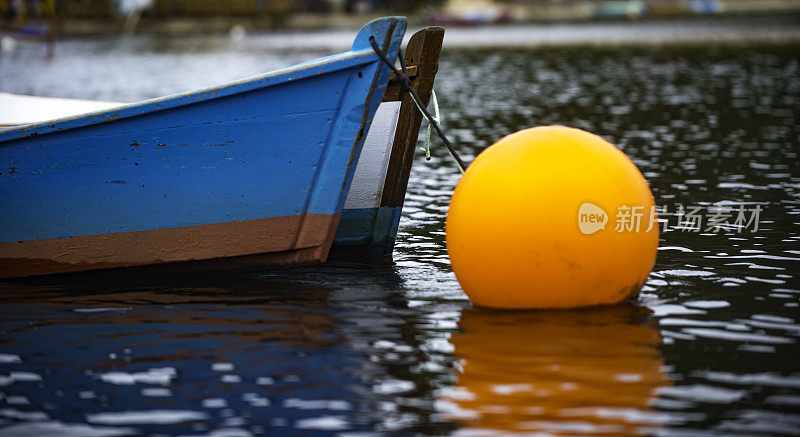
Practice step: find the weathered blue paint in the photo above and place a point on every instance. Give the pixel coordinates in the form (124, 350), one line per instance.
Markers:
(273, 145)
(373, 229)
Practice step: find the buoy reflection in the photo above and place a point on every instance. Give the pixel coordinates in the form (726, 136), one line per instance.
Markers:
(555, 372)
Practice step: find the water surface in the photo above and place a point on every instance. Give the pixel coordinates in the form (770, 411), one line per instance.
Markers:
(709, 348)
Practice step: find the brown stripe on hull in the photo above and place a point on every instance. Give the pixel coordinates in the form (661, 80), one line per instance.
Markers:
(252, 242)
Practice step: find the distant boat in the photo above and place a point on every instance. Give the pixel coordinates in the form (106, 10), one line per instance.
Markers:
(253, 172)
(27, 30)
(470, 13)
(11, 33)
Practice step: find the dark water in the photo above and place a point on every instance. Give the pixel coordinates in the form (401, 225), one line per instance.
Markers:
(709, 348)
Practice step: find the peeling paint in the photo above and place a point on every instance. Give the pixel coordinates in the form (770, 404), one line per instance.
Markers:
(226, 143)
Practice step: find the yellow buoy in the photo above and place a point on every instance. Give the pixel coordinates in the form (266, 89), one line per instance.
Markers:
(551, 217)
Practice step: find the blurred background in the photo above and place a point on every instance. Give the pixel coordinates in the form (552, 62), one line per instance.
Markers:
(38, 18)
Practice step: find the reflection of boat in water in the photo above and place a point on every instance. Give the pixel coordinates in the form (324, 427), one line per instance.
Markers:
(277, 348)
(557, 372)
(226, 172)
(261, 348)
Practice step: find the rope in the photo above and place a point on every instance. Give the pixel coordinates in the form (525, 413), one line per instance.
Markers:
(438, 119)
(427, 147)
(405, 83)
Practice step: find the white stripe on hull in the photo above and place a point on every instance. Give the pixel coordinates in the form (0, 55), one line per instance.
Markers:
(370, 175)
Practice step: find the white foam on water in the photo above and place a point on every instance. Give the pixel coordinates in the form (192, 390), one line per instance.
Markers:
(570, 427)
(263, 380)
(64, 430)
(764, 378)
(740, 185)
(456, 393)
(149, 417)
(755, 266)
(100, 310)
(161, 376)
(765, 280)
(17, 400)
(507, 389)
(670, 335)
(455, 411)
(707, 304)
(255, 400)
(384, 344)
(783, 326)
(630, 415)
(784, 399)
(669, 309)
(317, 404)
(393, 386)
(770, 257)
(19, 377)
(678, 321)
(229, 432)
(627, 377)
(30, 416)
(685, 273)
(325, 423)
(222, 367)
(737, 336)
(773, 319)
(702, 393)
(215, 403)
(26, 376)
(10, 359)
(156, 392)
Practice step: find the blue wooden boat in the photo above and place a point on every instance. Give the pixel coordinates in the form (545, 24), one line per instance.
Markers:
(255, 171)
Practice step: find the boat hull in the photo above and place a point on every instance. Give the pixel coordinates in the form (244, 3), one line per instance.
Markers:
(258, 167)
